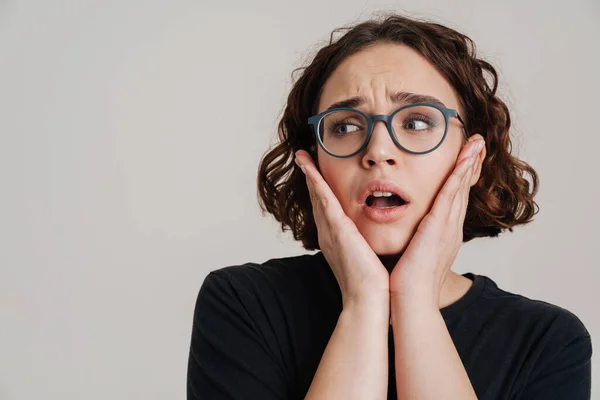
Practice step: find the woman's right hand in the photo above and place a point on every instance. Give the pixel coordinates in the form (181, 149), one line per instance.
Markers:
(359, 272)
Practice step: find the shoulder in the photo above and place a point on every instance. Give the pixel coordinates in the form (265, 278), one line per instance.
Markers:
(269, 282)
(549, 329)
(241, 329)
(553, 316)
(259, 300)
(275, 271)
(550, 345)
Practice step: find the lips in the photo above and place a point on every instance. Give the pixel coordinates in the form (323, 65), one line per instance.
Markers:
(381, 185)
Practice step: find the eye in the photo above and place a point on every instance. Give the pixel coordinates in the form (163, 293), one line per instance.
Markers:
(342, 128)
(419, 122)
(416, 125)
(346, 130)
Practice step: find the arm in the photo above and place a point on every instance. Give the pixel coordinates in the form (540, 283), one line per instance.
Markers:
(563, 368)
(229, 356)
(427, 363)
(567, 377)
(355, 362)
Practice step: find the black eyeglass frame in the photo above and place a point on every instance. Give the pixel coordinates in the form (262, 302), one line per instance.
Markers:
(448, 113)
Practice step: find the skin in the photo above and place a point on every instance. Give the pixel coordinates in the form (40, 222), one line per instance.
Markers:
(418, 250)
(373, 73)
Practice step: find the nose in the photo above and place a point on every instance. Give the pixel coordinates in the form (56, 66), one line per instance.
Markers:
(381, 148)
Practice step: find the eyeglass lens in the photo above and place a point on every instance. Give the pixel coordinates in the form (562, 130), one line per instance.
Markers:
(417, 128)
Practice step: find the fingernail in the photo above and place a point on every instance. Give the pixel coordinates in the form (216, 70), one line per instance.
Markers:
(303, 170)
(296, 161)
(472, 150)
(476, 147)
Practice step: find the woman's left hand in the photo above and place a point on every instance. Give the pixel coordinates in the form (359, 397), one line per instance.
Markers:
(422, 268)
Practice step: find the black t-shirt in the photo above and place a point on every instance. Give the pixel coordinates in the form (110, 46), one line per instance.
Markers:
(260, 330)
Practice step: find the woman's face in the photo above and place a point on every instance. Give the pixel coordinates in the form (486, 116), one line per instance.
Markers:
(374, 74)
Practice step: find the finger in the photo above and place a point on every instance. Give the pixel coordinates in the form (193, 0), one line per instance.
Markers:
(445, 198)
(466, 149)
(466, 186)
(321, 194)
(478, 164)
(311, 192)
(461, 200)
(471, 153)
(478, 156)
(312, 195)
(320, 221)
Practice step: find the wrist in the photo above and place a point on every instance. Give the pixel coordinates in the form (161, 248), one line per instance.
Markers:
(376, 296)
(413, 303)
(412, 312)
(374, 304)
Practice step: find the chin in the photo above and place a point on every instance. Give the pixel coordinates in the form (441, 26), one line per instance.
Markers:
(385, 239)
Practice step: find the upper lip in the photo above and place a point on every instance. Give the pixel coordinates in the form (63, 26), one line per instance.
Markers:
(381, 185)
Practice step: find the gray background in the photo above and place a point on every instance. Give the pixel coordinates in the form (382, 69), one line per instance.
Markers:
(127, 175)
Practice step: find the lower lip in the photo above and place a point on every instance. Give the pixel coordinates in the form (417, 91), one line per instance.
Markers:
(385, 214)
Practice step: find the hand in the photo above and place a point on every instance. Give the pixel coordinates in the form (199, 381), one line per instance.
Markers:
(422, 268)
(359, 272)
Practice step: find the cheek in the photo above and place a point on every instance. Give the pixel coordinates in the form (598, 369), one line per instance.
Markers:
(339, 177)
(431, 179)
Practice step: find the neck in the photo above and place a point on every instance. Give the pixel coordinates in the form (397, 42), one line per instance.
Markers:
(453, 288)
(389, 261)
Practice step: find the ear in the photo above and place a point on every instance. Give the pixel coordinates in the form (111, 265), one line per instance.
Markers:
(478, 164)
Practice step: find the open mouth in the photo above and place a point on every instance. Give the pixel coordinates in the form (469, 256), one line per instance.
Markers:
(384, 200)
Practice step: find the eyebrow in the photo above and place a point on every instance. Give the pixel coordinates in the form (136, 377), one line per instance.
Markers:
(397, 97)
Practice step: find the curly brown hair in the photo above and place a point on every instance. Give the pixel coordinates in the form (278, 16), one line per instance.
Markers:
(499, 200)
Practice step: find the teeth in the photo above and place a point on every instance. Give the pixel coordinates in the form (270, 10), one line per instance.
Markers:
(382, 194)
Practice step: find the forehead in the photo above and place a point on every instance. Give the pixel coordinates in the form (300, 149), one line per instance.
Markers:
(382, 69)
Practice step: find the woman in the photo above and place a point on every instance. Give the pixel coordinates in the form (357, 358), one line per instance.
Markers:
(394, 149)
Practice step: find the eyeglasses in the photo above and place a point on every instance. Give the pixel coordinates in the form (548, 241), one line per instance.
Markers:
(415, 128)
